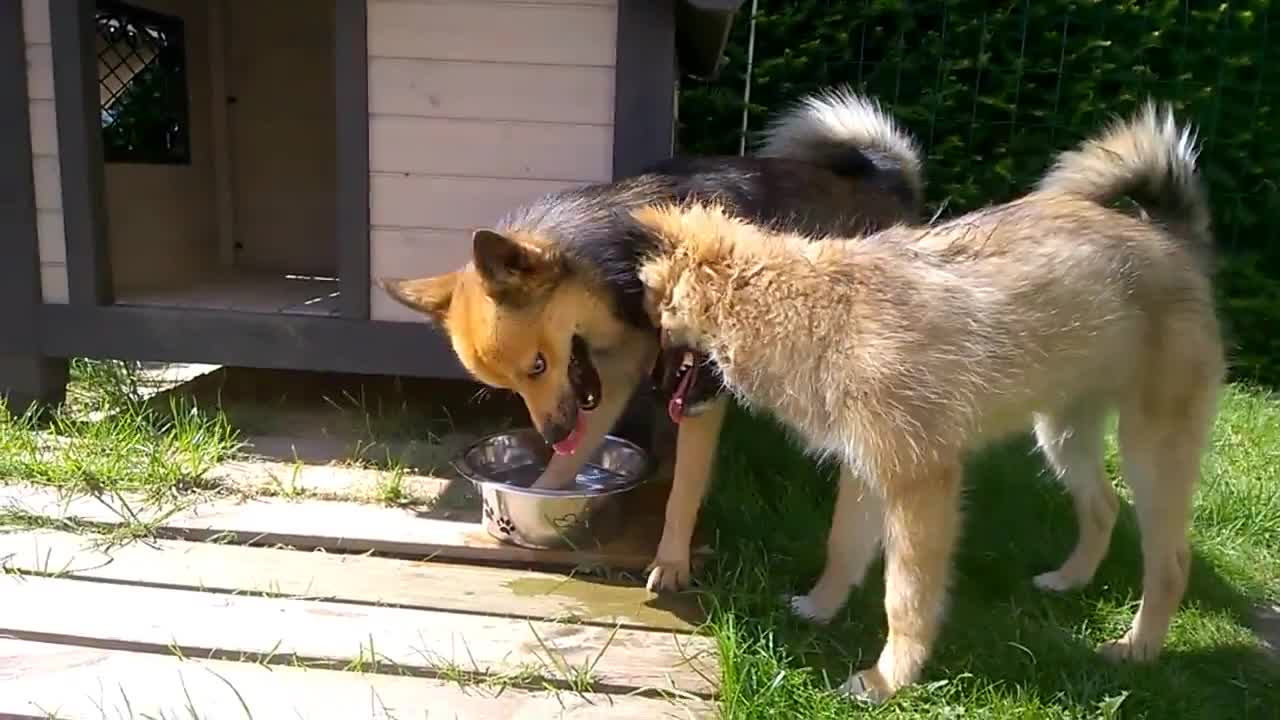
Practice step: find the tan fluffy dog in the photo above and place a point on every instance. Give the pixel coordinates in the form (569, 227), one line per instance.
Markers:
(900, 353)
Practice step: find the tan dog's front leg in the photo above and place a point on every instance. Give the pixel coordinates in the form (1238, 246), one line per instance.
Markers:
(696, 442)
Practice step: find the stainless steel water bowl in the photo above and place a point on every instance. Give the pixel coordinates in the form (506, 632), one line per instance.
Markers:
(504, 465)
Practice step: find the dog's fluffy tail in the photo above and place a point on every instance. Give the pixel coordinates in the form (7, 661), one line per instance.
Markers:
(845, 132)
(1148, 158)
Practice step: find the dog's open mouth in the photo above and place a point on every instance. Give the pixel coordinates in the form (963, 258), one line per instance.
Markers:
(685, 374)
(583, 376)
(585, 381)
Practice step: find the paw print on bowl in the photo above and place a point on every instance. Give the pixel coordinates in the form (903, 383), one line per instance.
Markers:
(506, 526)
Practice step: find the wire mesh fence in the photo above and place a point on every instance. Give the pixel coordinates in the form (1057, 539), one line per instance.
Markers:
(994, 90)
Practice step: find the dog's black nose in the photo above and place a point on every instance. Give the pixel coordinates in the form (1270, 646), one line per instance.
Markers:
(553, 431)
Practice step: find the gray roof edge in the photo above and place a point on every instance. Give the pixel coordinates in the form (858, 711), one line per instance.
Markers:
(716, 5)
(703, 33)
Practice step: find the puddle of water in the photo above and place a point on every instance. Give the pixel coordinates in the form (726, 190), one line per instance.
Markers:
(594, 600)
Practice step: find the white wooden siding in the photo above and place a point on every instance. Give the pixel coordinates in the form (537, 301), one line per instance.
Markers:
(493, 32)
(44, 146)
(39, 65)
(491, 91)
(44, 127)
(498, 149)
(412, 252)
(458, 203)
(53, 238)
(35, 21)
(477, 106)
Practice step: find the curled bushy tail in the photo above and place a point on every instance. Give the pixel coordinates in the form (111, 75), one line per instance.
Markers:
(843, 132)
(1148, 158)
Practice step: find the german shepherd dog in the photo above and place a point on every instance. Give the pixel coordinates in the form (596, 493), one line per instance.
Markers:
(551, 305)
(898, 353)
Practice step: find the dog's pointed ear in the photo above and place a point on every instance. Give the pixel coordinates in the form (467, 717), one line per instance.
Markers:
(501, 260)
(431, 296)
(506, 265)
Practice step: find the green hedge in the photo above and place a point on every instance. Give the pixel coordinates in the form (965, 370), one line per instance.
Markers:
(993, 91)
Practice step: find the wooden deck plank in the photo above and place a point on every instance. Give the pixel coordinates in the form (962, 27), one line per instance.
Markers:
(205, 624)
(355, 527)
(40, 680)
(350, 578)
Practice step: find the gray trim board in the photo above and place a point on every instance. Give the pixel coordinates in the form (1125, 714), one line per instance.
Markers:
(658, 39)
(260, 340)
(25, 377)
(643, 132)
(75, 87)
(351, 92)
(702, 31)
(27, 380)
(721, 6)
(644, 85)
(19, 244)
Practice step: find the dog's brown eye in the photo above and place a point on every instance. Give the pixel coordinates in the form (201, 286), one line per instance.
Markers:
(539, 366)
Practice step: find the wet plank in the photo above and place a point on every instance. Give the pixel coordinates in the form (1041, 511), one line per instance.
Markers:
(356, 527)
(42, 680)
(350, 578)
(288, 631)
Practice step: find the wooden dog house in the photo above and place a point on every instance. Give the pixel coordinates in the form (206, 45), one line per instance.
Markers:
(221, 181)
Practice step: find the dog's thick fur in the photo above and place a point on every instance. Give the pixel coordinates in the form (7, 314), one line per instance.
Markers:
(565, 267)
(899, 353)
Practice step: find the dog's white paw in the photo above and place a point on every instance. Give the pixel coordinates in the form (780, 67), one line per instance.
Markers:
(866, 686)
(802, 606)
(668, 574)
(1126, 649)
(1055, 582)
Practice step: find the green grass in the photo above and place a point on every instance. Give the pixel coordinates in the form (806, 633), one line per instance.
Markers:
(107, 440)
(1007, 649)
(137, 449)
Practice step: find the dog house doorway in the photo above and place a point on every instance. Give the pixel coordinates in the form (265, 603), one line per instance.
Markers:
(220, 153)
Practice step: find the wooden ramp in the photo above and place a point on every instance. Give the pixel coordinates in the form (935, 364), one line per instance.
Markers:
(249, 609)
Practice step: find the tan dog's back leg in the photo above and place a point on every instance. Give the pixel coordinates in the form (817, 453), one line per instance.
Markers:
(922, 522)
(1161, 445)
(857, 527)
(1074, 444)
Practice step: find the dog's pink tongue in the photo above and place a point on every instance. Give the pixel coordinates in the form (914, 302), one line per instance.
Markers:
(675, 406)
(569, 444)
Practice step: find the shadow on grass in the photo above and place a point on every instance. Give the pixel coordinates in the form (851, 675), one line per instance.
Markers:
(1006, 648)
